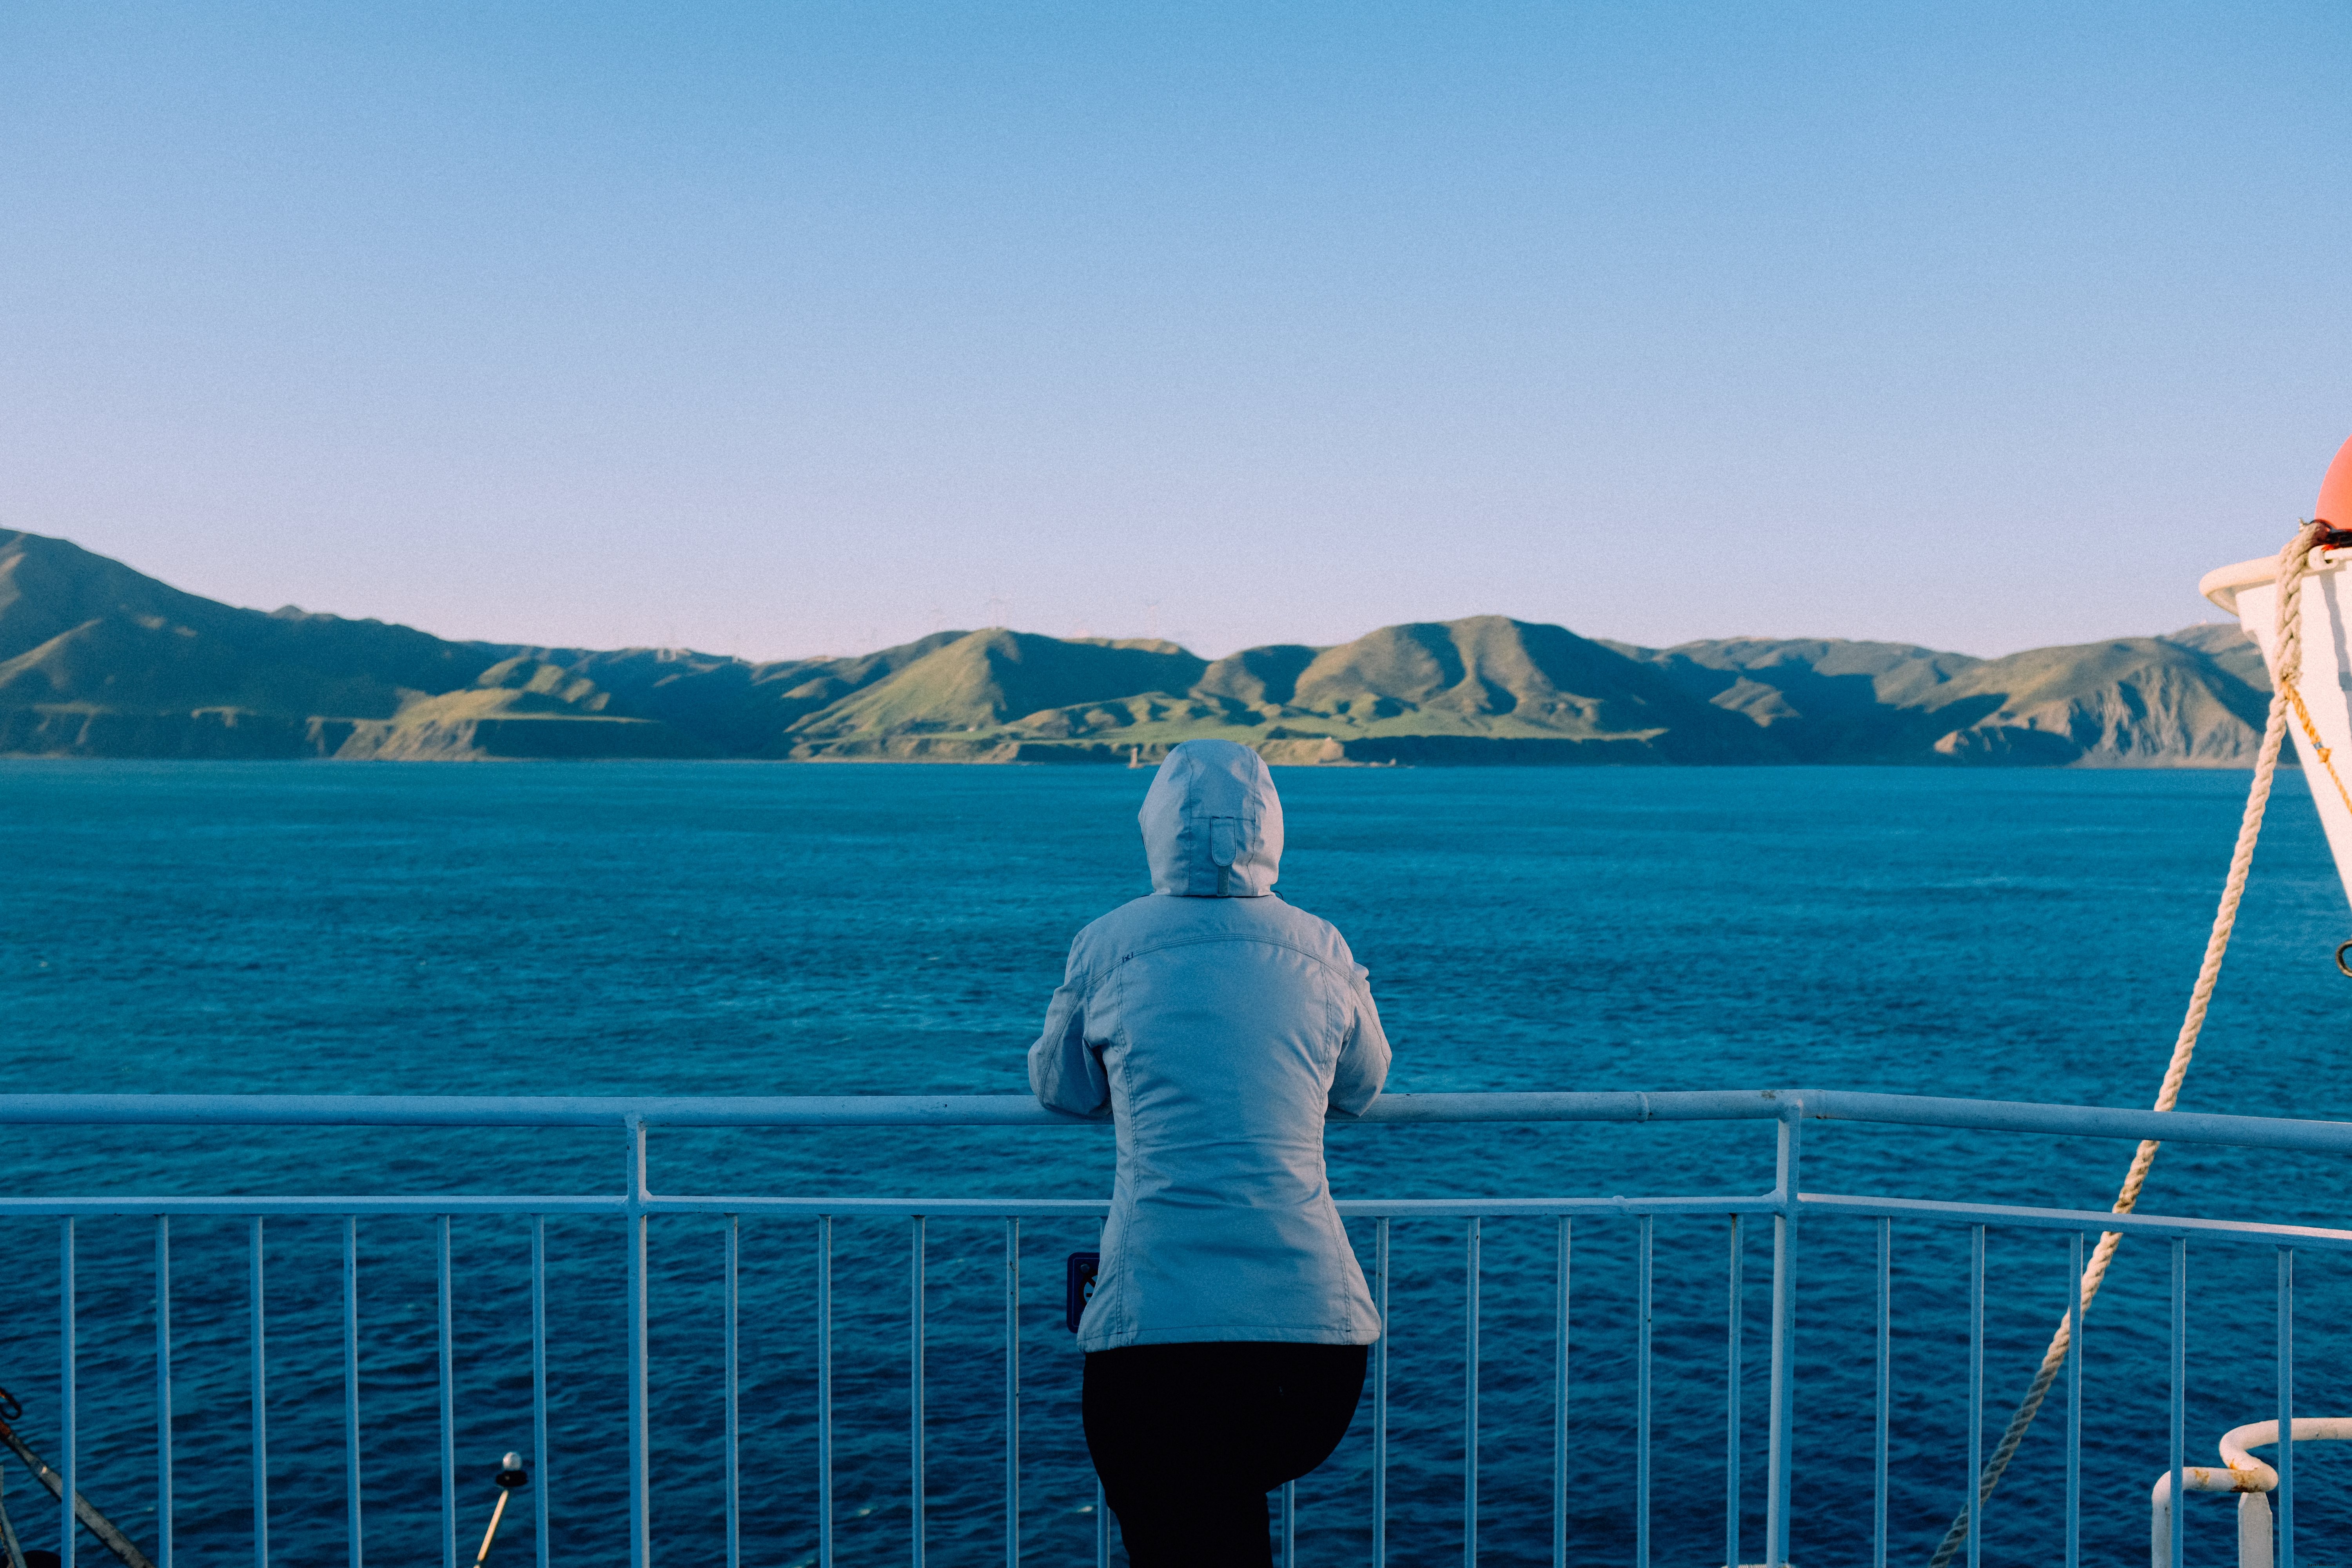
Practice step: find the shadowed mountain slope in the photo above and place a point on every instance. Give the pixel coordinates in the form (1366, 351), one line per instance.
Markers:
(2196, 698)
(2133, 701)
(2227, 644)
(97, 660)
(735, 706)
(1823, 699)
(79, 629)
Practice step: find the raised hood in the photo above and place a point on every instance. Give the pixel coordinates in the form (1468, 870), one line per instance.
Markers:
(1213, 823)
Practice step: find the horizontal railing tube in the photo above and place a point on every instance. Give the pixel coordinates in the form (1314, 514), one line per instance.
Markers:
(2081, 1219)
(1023, 1111)
(1352, 1208)
(1029, 1209)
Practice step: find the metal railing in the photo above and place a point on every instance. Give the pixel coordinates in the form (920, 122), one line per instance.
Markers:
(2242, 1474)
(1785, 1205)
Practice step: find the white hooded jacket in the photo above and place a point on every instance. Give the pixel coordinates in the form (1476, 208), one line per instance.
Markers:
(1219, 1023)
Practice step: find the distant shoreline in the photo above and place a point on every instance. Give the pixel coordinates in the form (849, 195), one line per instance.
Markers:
(99, 660)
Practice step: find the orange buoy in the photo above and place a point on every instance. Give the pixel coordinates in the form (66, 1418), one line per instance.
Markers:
(2335, 505)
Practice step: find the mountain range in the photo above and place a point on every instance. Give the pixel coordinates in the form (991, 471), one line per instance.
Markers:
(97, 660)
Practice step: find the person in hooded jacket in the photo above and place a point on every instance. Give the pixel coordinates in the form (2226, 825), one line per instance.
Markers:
(1226, 1341)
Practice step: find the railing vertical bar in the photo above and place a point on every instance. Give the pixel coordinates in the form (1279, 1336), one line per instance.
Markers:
(1470, 1397)
(734, 1407)
(2286, 1523)
(68, 1401)
(1013, 1393)
(2179, 1431)
(1380, 1395)
(1559, 1402)
(1102, 1503)
(1290, 1524)
(825, 1390)
(1885, 1401)
(1645, 1244)
(1975, 1394)
(1731, 1335)
(640, 1429)
(163, 1391)
(915, 1381)
(260, 1333)
(449, 1398)
(2074, 1402)
(1787, 1164)
(539, 1483)
(353, 1540)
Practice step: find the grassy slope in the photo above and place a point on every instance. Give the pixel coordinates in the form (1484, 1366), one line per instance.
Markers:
(96, 658)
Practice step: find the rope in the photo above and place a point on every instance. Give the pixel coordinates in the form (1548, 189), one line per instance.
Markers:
(2294, 562)
(2295, 695)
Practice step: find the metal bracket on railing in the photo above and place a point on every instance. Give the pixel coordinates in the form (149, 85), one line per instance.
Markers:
(2242, 1473)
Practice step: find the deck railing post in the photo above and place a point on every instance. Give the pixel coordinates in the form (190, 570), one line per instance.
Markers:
(69, 1413)
(2284, 1524)
(448, 1391)
(1644, 1244)
(259, 1340)
(1381, 1400)
(1883, 1401)
(351, 1535)
(1012, 1393)
(1731, 1335)
(825, 1390)
(2179, 1431)
(1786, 1166)
(734, 1409)
(1470, 1397)
(1975, 1504)
(539, 1481)
(915, 1384)
(640, 1435)
(164, 1392)
(2074, 1403)
(1560, 1404)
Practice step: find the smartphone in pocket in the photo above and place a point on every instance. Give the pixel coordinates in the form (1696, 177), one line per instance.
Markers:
(1078, 1285)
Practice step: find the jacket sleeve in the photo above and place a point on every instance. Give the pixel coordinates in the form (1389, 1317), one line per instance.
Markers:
(1063, 1072)
(1364, 1052)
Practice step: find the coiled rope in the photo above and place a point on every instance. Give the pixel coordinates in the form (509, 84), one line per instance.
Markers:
(2294, 562)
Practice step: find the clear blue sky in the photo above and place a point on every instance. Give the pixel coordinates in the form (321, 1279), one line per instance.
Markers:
(782, 329)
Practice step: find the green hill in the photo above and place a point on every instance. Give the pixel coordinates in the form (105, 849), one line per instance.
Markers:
(2134, 701)
(980, 682)
(2194, 698)
(97, 660)
(1486, 690)
(79, 629)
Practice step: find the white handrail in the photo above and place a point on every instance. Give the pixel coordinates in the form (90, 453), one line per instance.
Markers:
(2242, 1473)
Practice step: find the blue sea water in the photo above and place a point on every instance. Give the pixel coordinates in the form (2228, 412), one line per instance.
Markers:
(778, 928)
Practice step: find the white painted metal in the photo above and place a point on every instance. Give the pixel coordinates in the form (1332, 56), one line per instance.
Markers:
(2239, 1472)
(2249, 591)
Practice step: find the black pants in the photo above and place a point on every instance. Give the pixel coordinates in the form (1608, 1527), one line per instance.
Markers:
(1190, 1438)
